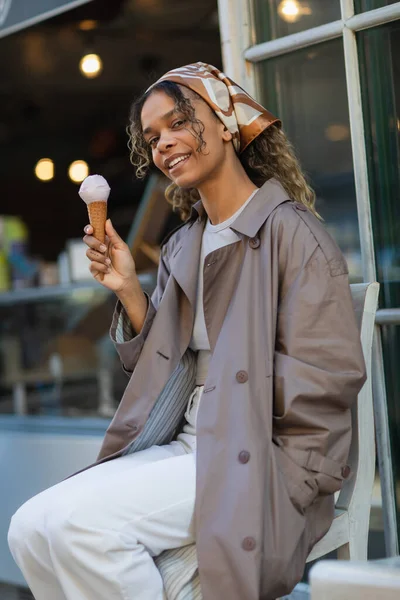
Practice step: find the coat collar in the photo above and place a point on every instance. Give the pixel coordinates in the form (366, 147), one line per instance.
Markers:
(184, 262)
(251, 219)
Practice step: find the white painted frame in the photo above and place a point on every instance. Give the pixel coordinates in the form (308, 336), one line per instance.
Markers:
(240, 54)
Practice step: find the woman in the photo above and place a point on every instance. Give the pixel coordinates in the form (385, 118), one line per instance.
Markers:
(234, 428)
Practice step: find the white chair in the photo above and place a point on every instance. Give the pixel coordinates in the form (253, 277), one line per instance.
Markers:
(338, 580)
(349, 531)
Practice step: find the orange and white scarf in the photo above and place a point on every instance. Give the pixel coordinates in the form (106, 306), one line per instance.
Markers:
(238, 111)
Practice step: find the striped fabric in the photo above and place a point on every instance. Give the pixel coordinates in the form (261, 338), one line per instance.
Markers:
(178, 567)
(169, 408)
(124, 331)
(179, 573)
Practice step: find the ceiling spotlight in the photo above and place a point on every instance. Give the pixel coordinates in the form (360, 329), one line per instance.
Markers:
(78, 171)
(292, 10)
(91, 65)
(87, 25)
(44, 169)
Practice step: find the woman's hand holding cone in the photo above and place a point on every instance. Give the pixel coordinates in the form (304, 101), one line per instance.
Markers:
(111, 263)
(113, 266)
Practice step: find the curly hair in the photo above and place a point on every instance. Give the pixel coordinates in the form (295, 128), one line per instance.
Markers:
(269, 155)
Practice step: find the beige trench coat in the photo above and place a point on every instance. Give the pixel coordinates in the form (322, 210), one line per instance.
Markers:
(274, 423)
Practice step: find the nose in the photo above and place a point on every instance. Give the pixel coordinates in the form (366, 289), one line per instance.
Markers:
(165, 142)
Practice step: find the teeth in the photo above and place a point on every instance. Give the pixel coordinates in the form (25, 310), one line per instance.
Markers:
(177, 160)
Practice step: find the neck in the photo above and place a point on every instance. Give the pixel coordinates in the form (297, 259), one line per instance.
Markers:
(225, 192)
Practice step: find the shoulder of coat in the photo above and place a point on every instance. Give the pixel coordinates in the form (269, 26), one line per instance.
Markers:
(331, 251)
(174, 236)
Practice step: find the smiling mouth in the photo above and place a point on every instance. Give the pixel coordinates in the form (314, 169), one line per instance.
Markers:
(176, 164)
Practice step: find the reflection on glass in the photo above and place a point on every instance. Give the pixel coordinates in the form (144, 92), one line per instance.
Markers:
(307, 89)
(56, 357)
(277, 18)
(379, 52)
(364, 5)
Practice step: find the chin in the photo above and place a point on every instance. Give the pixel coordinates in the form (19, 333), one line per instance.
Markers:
(191, 180)
(186, 182)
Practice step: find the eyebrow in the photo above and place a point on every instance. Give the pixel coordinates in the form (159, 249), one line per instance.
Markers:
(167, 115)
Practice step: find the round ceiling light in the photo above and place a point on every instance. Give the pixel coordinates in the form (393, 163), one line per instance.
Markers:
(78, 171)
(292, 10)
(91, 65)
(44, 169)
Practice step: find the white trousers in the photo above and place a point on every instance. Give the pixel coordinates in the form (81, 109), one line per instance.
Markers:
(93, 536)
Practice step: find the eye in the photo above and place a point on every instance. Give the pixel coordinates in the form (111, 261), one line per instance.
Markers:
(178, 123)
(153, 142)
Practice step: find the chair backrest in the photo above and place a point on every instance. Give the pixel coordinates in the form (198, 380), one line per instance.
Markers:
(357, 489)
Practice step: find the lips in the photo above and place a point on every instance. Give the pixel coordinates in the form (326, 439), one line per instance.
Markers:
(175, 160)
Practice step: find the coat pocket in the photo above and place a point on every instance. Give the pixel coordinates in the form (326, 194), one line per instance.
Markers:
(300, 483)
(286, 540)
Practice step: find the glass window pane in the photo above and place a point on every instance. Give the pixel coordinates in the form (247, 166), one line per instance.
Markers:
(364, 5)
(277, 18)
(379, 53)
(56, 357)
(307, 89)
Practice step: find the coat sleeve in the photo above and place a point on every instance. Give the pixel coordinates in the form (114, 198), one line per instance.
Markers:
(318, 366)
(127, 343)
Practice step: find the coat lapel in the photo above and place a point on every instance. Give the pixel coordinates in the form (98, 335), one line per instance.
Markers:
(184, 265)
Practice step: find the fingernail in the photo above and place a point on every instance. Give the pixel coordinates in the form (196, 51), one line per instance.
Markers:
(86, 229)
(108, 261)
(103, 248)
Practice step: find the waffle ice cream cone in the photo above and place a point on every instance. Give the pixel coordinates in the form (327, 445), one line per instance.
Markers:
(97, 216)
(95, 191)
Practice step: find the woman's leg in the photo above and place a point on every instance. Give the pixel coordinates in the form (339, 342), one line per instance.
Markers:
(94, 535)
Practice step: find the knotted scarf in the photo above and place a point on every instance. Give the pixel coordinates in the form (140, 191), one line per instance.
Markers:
(238, 111)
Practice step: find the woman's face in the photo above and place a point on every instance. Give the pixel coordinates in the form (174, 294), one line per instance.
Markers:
(174, 144)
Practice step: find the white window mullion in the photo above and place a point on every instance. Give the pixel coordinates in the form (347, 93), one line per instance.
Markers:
(235, 32)
(295, 41)
(371, 18)
(358, 149)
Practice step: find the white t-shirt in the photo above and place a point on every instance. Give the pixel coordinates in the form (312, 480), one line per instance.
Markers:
(214, 237)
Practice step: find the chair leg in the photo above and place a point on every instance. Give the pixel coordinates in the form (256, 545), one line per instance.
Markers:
(344, 552)
(357, 546)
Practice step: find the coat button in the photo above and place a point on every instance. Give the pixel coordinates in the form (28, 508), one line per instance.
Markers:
(242, 377)
(248, 544)
(244, 457)
(254, 242)
(346, 471)
(300, 206)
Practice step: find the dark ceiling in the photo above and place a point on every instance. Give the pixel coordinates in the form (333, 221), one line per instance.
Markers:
(48, 109)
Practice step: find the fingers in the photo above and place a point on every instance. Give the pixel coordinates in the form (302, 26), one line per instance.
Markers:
(94, 244)
(96, 268)
(112, 235)
(96, 256)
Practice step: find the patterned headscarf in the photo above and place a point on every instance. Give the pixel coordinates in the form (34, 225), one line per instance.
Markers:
(238, 111)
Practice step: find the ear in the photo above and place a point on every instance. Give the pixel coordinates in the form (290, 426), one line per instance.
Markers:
(226, 135)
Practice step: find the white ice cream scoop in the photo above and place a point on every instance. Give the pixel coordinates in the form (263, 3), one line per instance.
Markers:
(94, 189)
